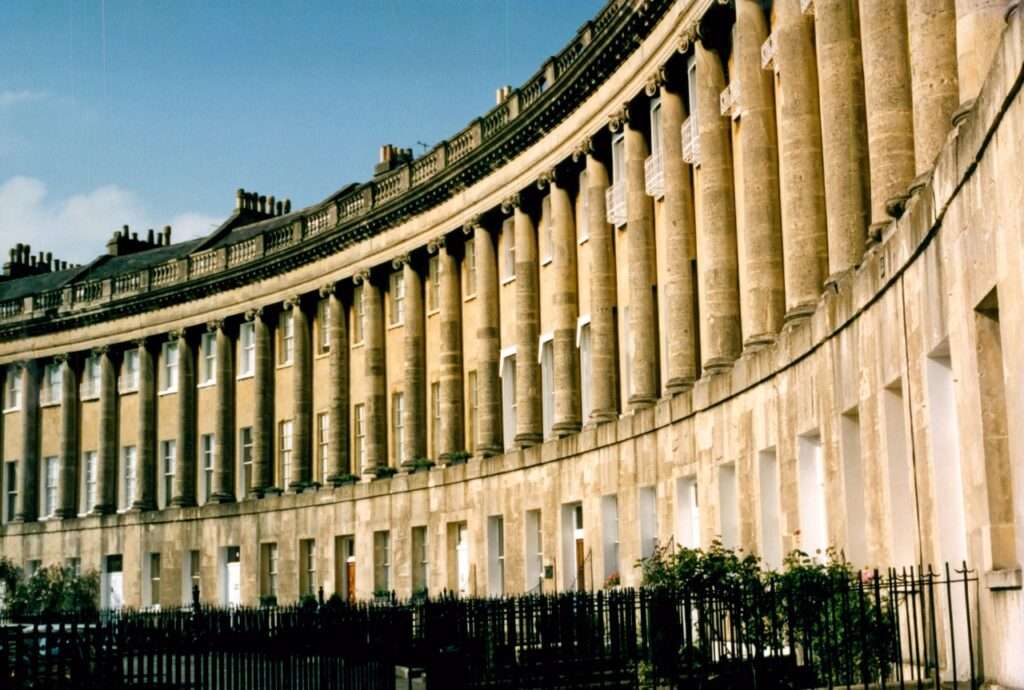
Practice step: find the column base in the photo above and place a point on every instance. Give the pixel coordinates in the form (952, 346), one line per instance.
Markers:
(142, 506)
(875, 231)
(298, 487)
(102, 510)
(183, 502)
(222, 498)
(961, 114)
(919, 183)
(799, 312)
(528, 439)
(896, 206)
(758, 341)
(489, 451)
(271, 491)
(566, 428)
(833, 280)
(65, 514)
(342, 479)
(717, 365)
(640, 402)
(679, 384)
(602, 416)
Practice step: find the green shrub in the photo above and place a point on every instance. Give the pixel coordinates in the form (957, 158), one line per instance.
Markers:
(385, 472)
(55, 591)
(268, 600)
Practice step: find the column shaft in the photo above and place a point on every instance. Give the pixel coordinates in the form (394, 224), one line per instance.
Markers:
(933, 69)
(66, 507)
(762, 293)
(843, 132)
(302, 399)
(376, 379)
(888, 105)
(801, 173)
(27, 505)
(452, 439)
(145, 484)
(414, 426)
(185, 463)
(106, 473)
(566, 419)
(224, 454)
(643, 315)
(263, 407)
(680, 243)
(716, 227)
(603, 297)
(488, 333)
(529, 423)
(979, 28)
(338, 457)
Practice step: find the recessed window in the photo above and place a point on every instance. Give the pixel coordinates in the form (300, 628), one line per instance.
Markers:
(583, 227)
(168, 460)
(508, 240)
(51, 393)
(547, 231)
(91, 378)
(472, 395)
(286, 331)
(307, 567)
(470, 264)
(11, 486)
(419, 559)
(359, 322)
(359, 437)
(584, 344)
(12, 389)
(323, 324)
(381, 562)
(51, 466)
(508, 398)
(89, 460)
(208, 364)
(245, 443)
(397, 426)
(247, 349)
(169, 369)
(323, 432)
(433, 284)
(268, 584)
(285, 451)
(130, 371)
(435, 417)
(206, 453)
(130, 461)
(397, 294)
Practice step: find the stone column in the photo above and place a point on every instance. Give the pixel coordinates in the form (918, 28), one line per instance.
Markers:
(375, 376)
(106, 472)
(185, 463)
(302, 398)
(145, 482)
(603, 297)
(27, 505)
(262, 405)
(888, 107)
(643, 317)
(762, 293)
(414, 423)
(66, 507)
(933, 69)
(843, 132)
(529, 422)
(224, 452)
(566, 418)
(979, 30)
(453, 438)
(338, 462)
(716, 226)
(488, 334)
(801, 174)
(680, 240)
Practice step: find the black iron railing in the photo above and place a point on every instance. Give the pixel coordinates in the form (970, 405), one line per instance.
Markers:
(905, 629)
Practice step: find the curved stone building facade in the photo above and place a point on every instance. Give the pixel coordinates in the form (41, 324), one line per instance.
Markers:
(740, 270)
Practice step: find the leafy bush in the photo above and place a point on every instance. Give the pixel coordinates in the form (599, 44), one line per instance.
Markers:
(457, 458)
(385, 472)
(54, 592)
(421, 464)
(268, 600)
(347, 478)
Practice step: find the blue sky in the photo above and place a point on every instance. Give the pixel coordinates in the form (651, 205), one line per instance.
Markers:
(149, 113)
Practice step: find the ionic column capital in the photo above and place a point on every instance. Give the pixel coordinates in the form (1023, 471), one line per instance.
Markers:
(547, 178)
(400, 261)
(175, 335)
(511, 203)
(436, 245)
(655, 82)
(618, 119)
(583, 149)
(472, 225)
(215, 325)
(328, 289)
(687, 38)
(255, 313)
(101, 350)
(292, 302)
(361, 276)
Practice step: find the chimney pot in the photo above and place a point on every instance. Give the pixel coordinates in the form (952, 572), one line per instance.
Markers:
(239, 196)
(270, 205)
(167, 234)
(287, 205)
(149, 236)
(280, 207)
(263, 204)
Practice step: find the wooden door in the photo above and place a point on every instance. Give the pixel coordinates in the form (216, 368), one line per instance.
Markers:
(580, 558)
(350, 582)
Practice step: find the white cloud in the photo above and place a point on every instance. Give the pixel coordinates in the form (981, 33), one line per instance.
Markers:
(9, 97)
(76, 228)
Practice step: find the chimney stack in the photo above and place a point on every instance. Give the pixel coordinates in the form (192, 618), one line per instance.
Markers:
(502, 94)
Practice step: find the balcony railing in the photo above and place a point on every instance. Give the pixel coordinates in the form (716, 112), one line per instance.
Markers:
(654, 176)
(691, 142)
(615, 204)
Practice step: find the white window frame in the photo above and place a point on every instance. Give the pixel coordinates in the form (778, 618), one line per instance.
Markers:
(208, 350)
(130, 372)
(245, 446)
(170, 355)
(546, 360)
(247, 349)
(285, 449)
(51, 469)
(583, 227)
(52, 380)
(359, 315)
(323, 438)
(508, 241)
(469, 260)
(91, 374)
(323, 324)
(398, 426)
(433, 284)
(207, 445)
(396, 317)
(286, 324)
(586, 353)
(547, 231)
(90, 462)
(12, 389)
(359, 434)
(508, 395)
(168, 467)
(129, 476)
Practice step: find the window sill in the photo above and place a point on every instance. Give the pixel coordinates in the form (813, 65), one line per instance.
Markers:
(435, 310)
(546, 260)
(469, 298)
(89, 398)
(128, 391)
(394, 326)
(206, 384)
(322, 354)
(12, 409)
(1004, 579)
(44, 405)
(360, 344)
(507, 280)
(167, 391)
(283, 365)
(583, 240)
(243, 377)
